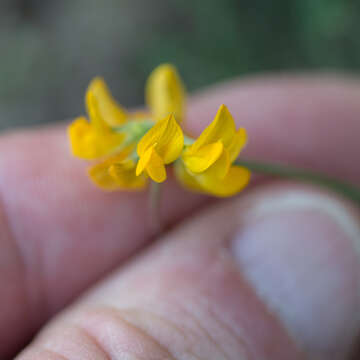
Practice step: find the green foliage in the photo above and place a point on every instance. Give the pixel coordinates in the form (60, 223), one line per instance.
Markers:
(214, 40)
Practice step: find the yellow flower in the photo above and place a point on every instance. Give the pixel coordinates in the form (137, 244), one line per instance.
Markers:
(206, 165)
(117, 172)
(131, 148)
(161, 145)
(95, 138)
(111, 133)
(165, 93)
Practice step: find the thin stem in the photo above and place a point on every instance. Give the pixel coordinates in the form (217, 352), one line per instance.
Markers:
(346, 189)
(154, 208)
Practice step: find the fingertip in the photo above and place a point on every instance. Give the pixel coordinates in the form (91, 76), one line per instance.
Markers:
(298, 248)
(306, 120)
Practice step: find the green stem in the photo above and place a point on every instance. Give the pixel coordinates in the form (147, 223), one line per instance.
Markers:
(346, 189)
(154, 208)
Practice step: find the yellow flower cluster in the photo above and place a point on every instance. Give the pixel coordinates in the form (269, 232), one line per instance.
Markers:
(132, 147)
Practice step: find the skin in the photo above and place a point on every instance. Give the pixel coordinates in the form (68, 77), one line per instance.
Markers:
(188, 294)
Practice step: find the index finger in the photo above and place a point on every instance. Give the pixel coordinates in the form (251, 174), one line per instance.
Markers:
(59, 233)
(308, 121)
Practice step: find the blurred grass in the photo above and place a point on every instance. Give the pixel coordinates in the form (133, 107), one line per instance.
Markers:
(51, 49)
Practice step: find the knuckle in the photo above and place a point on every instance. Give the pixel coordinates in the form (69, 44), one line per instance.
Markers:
(119, 336)
(64, 342)
(147, 333)
(172, 332)
(41, 354)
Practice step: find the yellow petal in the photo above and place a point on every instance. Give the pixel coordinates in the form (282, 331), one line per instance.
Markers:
(124, 175)
(82, 139)
(94, 139)
(237, 144)
(234, 181)
(100, 177)
(153, 164)
(166, 137)
(197, 181)
(186, 178)
(117, 172)
(222, 128)
(203, 158)
(220, 168)
(156, 168)
(108, 110)
(88, 143)
(96, 120)
(165, 93)
(144, 160)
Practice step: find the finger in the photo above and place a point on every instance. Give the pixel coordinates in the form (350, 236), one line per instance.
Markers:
(310, 121)
(52, 217)
(58, 233)
(279, 279)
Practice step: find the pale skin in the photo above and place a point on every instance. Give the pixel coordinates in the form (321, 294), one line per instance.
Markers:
(192, 293)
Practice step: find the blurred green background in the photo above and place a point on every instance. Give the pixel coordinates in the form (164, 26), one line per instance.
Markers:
(50, 49)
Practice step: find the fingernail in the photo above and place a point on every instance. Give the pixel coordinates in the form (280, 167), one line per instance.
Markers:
(299, 251)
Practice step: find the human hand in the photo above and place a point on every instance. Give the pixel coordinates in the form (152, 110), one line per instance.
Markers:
(272, 274)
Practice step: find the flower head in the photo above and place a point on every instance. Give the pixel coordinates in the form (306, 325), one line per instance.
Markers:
(206, 165)
(165, 93)
(161, 145)
(117, 172)
(131, 147)
(113, 135)
(95, 138)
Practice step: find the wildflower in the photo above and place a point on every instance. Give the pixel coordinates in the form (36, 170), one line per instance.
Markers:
(161, 145)
(131, 147)
(111, 134)
(206, 165)
(165, 93)
(117, 172)
(94, 139)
